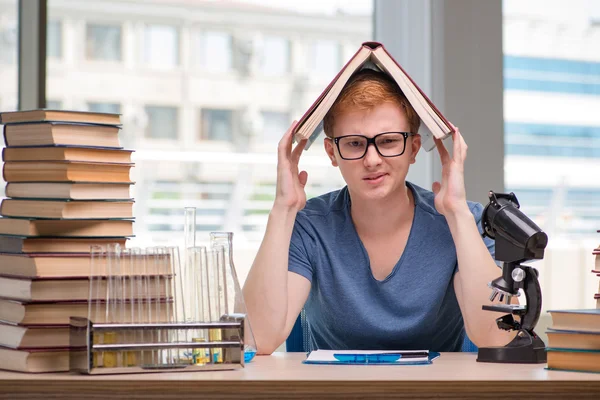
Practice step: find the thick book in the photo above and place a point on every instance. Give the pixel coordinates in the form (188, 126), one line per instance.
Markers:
(11, 117)
(69, 190)
(59, 313)
(36, 290)
(67, 153)
(362, 357)
(374, 55)
(61, 133)
(35, 360)
(65, 227)
(573, 360)
(19, 244)
(587, 320)
(71, 265)
(23, 337)
(66, 171)
(66, 209)
(562, 339)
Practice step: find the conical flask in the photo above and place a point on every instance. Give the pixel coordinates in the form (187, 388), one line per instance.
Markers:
(234, 297)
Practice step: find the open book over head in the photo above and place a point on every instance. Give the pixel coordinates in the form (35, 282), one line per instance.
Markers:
(374, 55)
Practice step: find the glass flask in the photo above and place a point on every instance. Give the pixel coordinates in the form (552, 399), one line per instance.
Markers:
(234, 299)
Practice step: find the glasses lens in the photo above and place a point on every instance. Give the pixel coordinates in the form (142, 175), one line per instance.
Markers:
(352, 146)
(390, 144)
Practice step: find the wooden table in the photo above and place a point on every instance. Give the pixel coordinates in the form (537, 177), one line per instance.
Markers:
(283, 376)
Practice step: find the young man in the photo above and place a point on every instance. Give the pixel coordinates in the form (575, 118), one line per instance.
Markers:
(381, 263)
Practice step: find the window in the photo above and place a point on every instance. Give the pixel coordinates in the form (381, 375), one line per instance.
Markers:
(53, 104)
(216, 124)
(162, 122)
(274, 125)
(103, 42)
(213, 51)
(275, 55)
(325, 58)
(8, 56)
(161, 46)
(549, 85)
(54, 39)
(111, 108)
(220, 56)
(8, 39)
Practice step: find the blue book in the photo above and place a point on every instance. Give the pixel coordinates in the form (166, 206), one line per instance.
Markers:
(377, 357)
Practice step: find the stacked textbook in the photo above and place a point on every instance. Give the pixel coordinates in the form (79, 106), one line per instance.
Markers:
(574, 340)
(68, 188)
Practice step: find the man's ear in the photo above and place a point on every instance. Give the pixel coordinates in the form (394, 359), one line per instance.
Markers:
(415, 146)
(329, 148)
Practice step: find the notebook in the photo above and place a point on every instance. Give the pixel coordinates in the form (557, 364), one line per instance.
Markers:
(388, 357)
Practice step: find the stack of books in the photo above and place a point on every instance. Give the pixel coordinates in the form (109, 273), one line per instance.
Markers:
(574, 340)
(68, 188)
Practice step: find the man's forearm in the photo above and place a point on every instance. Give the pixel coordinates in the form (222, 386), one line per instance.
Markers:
(266, 287)
(476, 269)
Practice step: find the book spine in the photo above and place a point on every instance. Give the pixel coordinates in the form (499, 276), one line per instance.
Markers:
(4, 132)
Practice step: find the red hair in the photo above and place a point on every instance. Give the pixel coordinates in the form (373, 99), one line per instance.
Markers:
(365, 90)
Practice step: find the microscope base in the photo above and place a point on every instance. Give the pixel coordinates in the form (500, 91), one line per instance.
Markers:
(525, 348)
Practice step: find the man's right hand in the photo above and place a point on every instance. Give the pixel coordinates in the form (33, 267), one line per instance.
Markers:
(290, 193)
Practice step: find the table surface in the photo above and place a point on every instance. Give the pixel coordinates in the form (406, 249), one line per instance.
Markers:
(282, 375)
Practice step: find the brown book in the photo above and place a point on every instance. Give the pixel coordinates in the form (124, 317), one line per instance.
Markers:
(66, 227)
(34, 360)
(374, 55)
(69, 265)
(23, 337)
(59, 313)
(65, 171)
(11, 117)
(67, 153)
(573, 339)
(587, 320)
(74, 209)
(36, 290)
(18, 244)
(61, 133)
(578, 360)
(69, 190)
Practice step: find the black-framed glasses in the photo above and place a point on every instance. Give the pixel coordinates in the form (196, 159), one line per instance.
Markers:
(387, 144)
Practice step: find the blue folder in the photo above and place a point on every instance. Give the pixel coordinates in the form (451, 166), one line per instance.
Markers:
(408, 357)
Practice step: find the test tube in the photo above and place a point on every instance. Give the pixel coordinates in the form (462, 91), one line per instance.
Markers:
(112, 307)
(150, 299)
(163, 305)
(137, 277)
(173, 271)
(198, 253)
(189, 227)
(128, 290)
(216, 298)
(97, 292)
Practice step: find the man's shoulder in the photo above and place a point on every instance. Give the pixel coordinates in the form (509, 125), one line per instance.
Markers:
(425, 199)
(325, 204)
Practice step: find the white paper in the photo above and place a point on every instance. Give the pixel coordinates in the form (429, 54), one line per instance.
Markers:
(327, 355)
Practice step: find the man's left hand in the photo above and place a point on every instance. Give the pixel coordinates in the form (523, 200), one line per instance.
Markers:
(450, 195)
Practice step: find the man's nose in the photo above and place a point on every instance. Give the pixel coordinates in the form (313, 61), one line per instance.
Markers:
(372, 157)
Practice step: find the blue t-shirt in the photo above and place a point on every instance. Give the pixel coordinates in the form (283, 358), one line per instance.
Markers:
(415, 307)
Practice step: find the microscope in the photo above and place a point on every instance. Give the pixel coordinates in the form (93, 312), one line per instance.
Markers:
(518, 239)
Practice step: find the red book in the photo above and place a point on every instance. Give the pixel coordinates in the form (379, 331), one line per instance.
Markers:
(374, 55)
